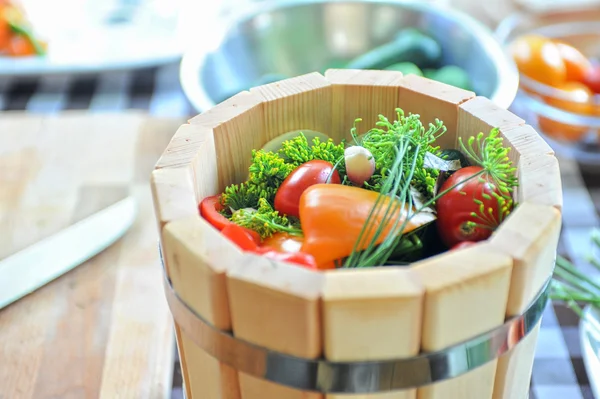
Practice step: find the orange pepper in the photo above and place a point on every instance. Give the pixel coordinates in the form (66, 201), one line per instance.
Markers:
(332, 217)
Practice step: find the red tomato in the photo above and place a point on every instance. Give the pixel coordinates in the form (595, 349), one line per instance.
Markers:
(287, 199)
(462, 245)
(246, 239)
(577, 65)
(539, 58)
(455, 209)
(283, 242)
(299, 258)
(209, 210)
(592, 79)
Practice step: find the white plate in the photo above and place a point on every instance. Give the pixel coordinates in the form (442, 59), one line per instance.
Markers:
(589, 337)
(87, 36)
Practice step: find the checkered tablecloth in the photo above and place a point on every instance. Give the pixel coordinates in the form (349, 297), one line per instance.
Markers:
(558, 371)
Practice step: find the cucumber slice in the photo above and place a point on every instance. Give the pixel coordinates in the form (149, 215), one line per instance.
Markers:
(275, 144)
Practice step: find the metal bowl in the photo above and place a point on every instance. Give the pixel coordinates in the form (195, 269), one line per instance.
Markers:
(294, 37)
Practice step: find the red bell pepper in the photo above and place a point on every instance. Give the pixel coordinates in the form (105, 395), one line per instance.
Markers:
(210, 208)
(299, 258)
(246, 239)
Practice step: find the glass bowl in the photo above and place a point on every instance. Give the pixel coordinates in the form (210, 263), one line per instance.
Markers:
(571, 127)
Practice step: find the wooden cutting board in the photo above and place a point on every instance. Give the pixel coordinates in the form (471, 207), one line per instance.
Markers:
(102, 330)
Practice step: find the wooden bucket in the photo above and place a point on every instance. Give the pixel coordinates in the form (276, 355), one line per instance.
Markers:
(234, 313)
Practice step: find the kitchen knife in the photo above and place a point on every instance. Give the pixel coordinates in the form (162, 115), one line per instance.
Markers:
(42, 262)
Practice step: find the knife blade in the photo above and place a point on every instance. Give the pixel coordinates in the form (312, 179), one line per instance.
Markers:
(35, 266)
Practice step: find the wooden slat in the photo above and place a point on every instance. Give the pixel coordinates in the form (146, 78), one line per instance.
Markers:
(174, 194)
(402, 394)
(530, 236)
(183, 147)
(198, 257)
(361, 94)
(254, 388)
(540, 180)
(237, 126)
(193, 148)
(513, 375)
(391, 301)
(431, 100)
(276, 305)
(482, 115)
(466, 295)
(303, 102)
(206, 376)
(372, 314)
(525, 141)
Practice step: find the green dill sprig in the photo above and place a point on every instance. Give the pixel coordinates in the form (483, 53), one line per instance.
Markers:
(486, 218)
(571, 286)
(265, 220)
(490, 153)
(381, 142)
(396, 186)
(493, 157)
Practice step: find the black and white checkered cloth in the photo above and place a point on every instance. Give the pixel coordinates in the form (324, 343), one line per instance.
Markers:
(558, 372)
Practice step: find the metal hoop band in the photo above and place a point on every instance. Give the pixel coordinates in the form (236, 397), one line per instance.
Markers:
(323, 376)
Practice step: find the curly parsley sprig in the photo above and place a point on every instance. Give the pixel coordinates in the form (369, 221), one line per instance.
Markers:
(298, 151)
(269, 169)
(265, 220)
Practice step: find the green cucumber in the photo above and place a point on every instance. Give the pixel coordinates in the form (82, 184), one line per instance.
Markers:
(409, 45)
(429, 73)
(454, 76)
(407, 68)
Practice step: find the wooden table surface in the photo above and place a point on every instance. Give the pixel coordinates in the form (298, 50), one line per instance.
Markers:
(102, 330)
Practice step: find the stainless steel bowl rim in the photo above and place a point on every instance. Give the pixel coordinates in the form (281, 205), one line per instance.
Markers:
(507, 74)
